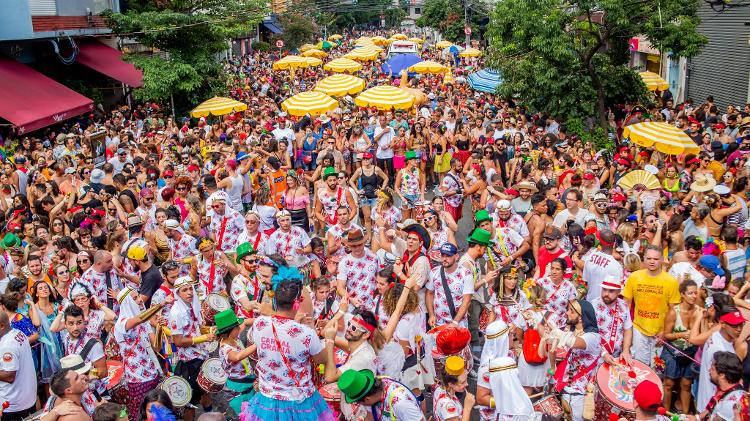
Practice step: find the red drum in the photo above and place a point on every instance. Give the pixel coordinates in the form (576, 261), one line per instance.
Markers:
(340, 357)
(550, 407)
(115, 382)
(212, 376)
(178, 390)
(614, 388)
(213, 305)
(331, 394)
(419, 208)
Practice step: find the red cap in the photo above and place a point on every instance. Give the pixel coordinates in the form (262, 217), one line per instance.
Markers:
(367, 155)
(511, 192)
(619, 197)
(588, 176)
(693, 161)
(623, 162)
(168, 173)
(734, 318)
(193, 167)
(647, 395)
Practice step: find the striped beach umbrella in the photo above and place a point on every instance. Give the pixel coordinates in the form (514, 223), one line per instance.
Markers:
(399, 36)
(290, 63)
(342, 65)
(485, 81)
(663, 137)
(314, 52)
(363, 54)
(314, 103)
(385, 97)
(653, 81)
(217, 106)
(428, 66)
(470, 52)
(340, 85)
(443, 44)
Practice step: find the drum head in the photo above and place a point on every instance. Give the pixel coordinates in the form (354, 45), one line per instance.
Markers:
(617, 382)
(115, 372)
(213, 371)
(340, 356)
(212, 346)
(330, 392)
(217, 302)
(178, 390)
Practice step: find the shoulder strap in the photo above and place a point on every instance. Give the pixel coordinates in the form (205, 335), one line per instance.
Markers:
(448, 295)
(87, 348)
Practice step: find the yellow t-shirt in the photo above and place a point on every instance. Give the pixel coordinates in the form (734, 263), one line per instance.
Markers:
(652, 297)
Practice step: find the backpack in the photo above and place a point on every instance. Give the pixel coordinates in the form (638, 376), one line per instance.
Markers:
(531, 342)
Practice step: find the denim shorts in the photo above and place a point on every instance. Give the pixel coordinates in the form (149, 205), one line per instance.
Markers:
(675, 368)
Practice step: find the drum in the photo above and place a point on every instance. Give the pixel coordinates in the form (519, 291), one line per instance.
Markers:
(212, 305)
(212, 346)
(550, 408)
(614, 388)
(332, 395)
(178, 390)
(115, 382)
(212, 376)
(419, 208)
(340, 357)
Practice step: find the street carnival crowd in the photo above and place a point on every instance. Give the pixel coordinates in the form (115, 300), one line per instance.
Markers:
(372, 264)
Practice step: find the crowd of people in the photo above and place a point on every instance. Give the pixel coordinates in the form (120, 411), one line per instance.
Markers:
(302, 268)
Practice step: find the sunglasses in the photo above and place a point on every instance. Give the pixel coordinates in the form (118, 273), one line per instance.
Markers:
(352, 327)
(61, 273)
(57, 224)
(181, 188)
(82, 261)
(216, 206)
(148, 198)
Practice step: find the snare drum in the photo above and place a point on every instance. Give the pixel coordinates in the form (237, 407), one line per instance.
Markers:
(614, 388)
(549, 406)
(212, 376)
(332, 395)
(213, 305)
(212, 346)
(115, 382)
(178, 390)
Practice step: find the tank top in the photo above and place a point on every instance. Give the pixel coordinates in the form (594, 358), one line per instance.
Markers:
(462, 145)
(679, 327)
(675, 188)
(369, 183)
(235, 192)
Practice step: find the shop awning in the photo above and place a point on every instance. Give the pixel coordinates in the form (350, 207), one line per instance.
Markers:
(107, 60)
(272, 27)
(31, 100)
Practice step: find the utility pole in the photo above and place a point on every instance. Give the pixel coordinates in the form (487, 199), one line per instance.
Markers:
(466, 23)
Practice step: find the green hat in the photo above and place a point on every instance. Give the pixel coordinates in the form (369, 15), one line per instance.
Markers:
(355, 385)
(410, 155)
(226, 320)
(481, 216)
(480, 236)
(243, 250)
(329, 172)
(10, 241)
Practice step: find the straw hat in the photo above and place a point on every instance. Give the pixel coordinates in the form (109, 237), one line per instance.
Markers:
(702, 183)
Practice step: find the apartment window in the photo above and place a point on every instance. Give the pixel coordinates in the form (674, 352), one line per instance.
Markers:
(417, 11)
(42, 7)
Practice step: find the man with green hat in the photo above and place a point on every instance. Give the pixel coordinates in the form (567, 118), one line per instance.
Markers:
(388, 397)
(410, 185)
(234, 358)
(330, 197)
(10, 242)
(246, 288)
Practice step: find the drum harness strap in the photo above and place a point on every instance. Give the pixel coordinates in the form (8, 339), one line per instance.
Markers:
(562, 369)
(390, 399)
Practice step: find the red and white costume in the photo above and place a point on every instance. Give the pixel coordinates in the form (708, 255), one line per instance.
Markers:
(358, 276)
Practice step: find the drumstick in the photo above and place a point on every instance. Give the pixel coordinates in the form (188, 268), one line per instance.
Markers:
(663, 411)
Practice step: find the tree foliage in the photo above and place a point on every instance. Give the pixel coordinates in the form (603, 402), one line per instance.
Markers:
(447, 16)
(569, 57)
(188, 33)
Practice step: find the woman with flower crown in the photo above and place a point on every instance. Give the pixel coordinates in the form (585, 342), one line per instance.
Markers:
(285, 349)
(508, 302)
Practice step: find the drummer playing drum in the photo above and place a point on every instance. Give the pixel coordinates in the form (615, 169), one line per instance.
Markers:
(613, 319)
(185, 322)
(234, 358)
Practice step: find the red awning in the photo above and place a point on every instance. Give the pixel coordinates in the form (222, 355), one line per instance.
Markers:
(31, 100)
(107, 60)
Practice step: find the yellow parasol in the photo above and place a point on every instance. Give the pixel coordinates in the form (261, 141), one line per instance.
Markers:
(290, 63)
(448, 78)
(217, 106)
(363, 54)
(385, 97)
(653, 81)
(312, 61)
(340, 85)
(443, 44)
(314, 103)
(428, 66)
(399, 36)
(342, 65)
(363, 39)
(305, 47)
(364, 43)
(314, 52)
(663, 137)
(470, 52)
(335, 37)
(419, 41)
(378, 40)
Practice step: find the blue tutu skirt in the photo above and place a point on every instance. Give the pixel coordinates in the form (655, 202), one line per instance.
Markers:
(262, 408)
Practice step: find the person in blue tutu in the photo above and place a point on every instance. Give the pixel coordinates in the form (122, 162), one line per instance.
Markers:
(286, 348)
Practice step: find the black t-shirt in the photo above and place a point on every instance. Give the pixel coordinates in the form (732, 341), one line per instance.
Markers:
(151, 280)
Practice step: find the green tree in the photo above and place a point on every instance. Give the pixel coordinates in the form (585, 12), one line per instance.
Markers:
(448, 17)
(569, 57)
(298, 29)
(188, 33)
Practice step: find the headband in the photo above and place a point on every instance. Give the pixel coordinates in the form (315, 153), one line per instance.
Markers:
(603, 242)
(503, 368)
(498, 334)
(358, 320)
